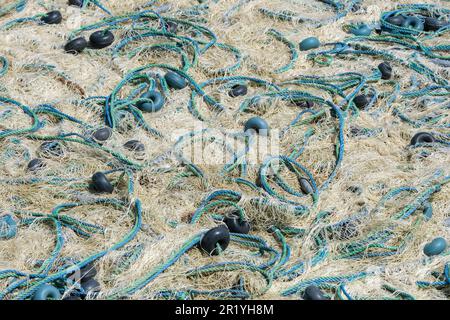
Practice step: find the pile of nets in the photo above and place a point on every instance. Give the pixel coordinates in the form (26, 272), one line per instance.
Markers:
(241, 149)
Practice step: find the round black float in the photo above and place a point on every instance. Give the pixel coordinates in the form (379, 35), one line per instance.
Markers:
(258, 125)
(155, 104)
(313, 293)
(218, 236)
(422, 137)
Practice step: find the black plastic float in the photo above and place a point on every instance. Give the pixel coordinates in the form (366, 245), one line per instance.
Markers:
(422, 137)
(52, 17)
(134, 145)
(218, 236)
(76, 45)
(101, 183)
(236, 225)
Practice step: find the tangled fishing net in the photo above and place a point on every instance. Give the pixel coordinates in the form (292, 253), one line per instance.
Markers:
(342, 186)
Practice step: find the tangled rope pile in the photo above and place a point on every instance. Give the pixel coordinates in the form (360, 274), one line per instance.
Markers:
(353, 204)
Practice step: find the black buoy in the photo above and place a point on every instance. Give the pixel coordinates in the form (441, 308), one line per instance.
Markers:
(102, 134)
(313, 293)
(175, 81)
(101, 183)
(101, 39)
(305, 186)
(76, 45)
(258, 125)
(309, 43)
(434, 24)
(47, 292)
(134, 145)
(78, 3)
(236, 225)
(361, 101)
(422, 137)
(218, 236)
(386, 70)
(85, 273)
(52, 17)
(88, 272)
(435, 247)
(36, 164)
(238, 90)
(155, 101)
(91, 287)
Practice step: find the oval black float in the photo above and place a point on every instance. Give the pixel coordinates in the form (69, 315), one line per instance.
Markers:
(305, 186)
(52, 17)
(236, 225)
(102, 134)
(134, 145)
(175, 81)
(36, 164)
(238, 90)
(101, 183)
(91, 287)
(434, 24)
(88, 271)
(361, 101)
(78, 3)
(76, 45)
(101, 39)
(386, 70)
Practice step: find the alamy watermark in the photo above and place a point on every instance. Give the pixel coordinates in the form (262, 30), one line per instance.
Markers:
(208, 146)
